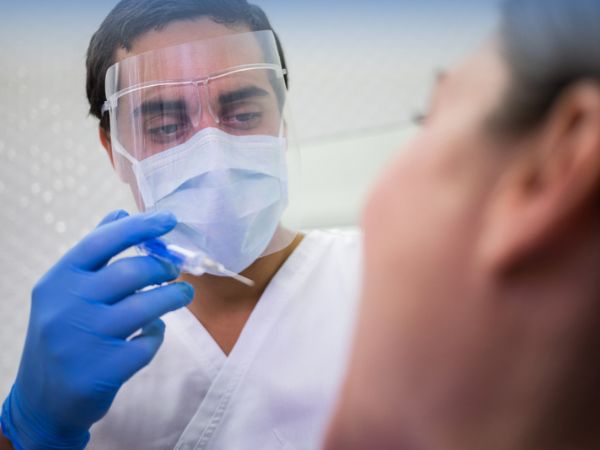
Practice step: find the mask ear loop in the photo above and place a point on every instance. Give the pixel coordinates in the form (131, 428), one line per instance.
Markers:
(142, 184)
(282, 234)
(117, 147)
(115, 144)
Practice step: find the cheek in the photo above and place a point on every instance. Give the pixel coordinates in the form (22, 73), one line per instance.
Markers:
(416, 243)
(426, 200)
(402, 210)
(418, 233)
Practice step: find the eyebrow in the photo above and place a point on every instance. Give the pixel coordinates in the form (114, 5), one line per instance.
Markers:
(242, 94)
(159, 106)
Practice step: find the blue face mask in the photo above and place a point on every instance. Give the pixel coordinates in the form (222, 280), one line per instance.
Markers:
(227, 192)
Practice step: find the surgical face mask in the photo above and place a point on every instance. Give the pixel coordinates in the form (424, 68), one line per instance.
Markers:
(227, 192)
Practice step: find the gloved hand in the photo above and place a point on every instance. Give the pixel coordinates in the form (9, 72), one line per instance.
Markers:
(77, 353)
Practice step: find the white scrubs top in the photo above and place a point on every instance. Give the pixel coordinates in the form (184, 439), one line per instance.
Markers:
(277, 387)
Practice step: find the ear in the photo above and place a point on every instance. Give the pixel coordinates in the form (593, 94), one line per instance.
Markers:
(105, 141)
(552, 187)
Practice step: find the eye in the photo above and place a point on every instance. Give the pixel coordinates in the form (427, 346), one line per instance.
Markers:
(242, 117)
(419, 118)
(422, 116)
(244, 120)
(435, 95)
(164, 130)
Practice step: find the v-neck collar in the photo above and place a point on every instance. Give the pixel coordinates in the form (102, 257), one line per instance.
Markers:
(272, 303)
(199, 342)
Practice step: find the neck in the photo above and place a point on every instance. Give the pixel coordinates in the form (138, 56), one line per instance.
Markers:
(547, 319)
(223, 305)
(564, 296)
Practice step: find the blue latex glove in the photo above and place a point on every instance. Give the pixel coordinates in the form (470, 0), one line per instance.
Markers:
(77, 354)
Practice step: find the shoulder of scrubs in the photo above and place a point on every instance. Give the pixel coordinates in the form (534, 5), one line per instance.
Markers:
(325, 257)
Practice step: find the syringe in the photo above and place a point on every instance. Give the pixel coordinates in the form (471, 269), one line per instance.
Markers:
(195, 263)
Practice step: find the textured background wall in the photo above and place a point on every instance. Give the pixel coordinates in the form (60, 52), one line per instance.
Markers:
(359, 72)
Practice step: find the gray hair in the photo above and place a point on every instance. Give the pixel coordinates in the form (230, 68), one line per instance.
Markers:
(548, 45)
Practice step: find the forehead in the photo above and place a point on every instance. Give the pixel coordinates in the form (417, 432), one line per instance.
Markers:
(191, 48)
(477, 84)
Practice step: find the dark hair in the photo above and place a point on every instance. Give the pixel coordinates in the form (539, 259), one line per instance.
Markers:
(132, 18)
(548, 46)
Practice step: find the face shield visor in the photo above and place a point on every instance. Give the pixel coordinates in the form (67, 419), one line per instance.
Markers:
(200, 130)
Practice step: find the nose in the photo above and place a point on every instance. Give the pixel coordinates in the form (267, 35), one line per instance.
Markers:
(206, 117)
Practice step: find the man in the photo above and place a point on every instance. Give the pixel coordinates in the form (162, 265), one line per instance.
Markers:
(191, 98)
(480, 323)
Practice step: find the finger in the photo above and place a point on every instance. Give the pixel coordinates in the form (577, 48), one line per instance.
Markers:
(139, 352)
(126, 276)
(136, 311)
(113, 217)
(104, 243)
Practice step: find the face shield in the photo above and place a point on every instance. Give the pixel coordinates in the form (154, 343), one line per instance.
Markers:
(200, 130)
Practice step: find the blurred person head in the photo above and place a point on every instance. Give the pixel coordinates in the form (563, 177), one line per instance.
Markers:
(480, 321)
